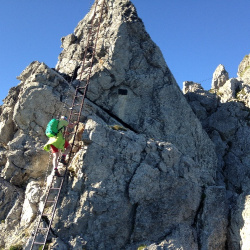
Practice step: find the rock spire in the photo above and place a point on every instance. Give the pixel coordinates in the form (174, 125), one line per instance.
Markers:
(220, 76)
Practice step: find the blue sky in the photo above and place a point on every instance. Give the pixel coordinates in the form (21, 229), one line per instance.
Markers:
(195, 36)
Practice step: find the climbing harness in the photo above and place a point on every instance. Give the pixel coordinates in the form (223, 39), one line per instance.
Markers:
(47, 215)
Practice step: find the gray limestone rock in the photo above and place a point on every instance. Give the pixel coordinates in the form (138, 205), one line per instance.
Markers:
(181, 236)
(147, 173)
(243, 94)
(30, 105)
(239, 227)
(214, 217)
(11, 200)
(119, 199)
(220, 76)
(229, 90)
(131, 80)
(9, 194)
(235, 89)
(244, 69)
(203, 102)
(228, 127)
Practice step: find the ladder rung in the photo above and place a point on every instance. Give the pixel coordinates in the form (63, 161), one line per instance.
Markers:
(78, 91)
(71, 133)
(46, 214)
(55, 188)
(51, 201)
(39, 243)
(81, 94)
(43, 228)
(57, 176)
(90, 50)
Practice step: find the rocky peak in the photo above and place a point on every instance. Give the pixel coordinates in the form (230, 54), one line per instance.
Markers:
(220, 76)
(128, 61)
(145, 172)
(235, 89)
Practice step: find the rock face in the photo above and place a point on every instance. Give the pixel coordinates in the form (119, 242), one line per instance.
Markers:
(220, 76)
(26, 111)
(134, 83)
(145, 172)
(116, 207)
(244, 69)
(225, 116)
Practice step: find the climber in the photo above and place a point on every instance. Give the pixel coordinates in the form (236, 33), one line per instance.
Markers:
(58, 142)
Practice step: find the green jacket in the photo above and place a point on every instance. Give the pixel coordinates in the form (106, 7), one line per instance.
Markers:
(57, 141)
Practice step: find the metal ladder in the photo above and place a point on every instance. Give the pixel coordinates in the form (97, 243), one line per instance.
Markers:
(46, 218)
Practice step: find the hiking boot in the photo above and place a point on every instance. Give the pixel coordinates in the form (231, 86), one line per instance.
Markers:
(57, 173)
(62, 160)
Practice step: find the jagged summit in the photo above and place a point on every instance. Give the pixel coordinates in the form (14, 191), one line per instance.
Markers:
(146, 172)
(224, 112)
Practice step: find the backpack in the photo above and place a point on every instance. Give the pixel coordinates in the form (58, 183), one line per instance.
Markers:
(52, 128)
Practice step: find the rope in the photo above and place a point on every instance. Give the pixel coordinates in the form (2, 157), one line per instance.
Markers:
(205, 80)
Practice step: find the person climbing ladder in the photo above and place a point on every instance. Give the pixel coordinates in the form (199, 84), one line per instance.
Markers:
(55, 131)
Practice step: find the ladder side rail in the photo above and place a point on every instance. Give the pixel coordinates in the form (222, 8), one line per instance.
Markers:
(74, 99)
(84, 58)
(104, 1)
(53, 212)
(40, 219)
(93, 54)
(82, 68)
(71, 111)
(95, 43)
(90, 71)
(78, 119)
(88, 79)
(88, 38)
(76, 130)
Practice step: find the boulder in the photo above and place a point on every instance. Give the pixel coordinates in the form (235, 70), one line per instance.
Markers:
(30, 205)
